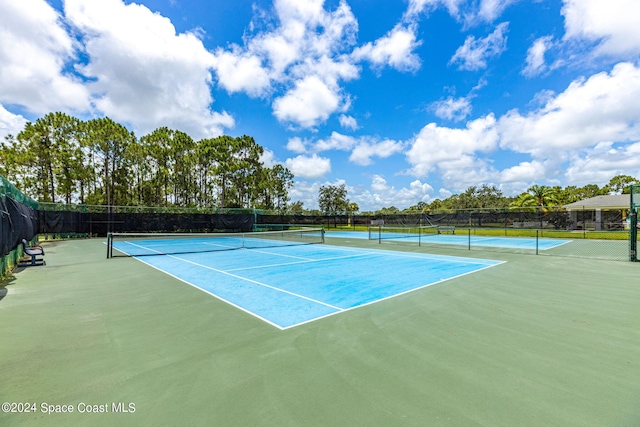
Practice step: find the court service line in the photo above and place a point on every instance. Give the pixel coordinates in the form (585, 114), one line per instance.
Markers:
(257, 283)
(305, 261)
(280, 255)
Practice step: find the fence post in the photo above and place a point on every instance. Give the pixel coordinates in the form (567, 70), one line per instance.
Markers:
(633, 235)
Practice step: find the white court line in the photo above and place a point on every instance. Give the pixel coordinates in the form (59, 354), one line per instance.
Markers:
(244, 278)
(304, 261)
(339, 310)
(393, 296)
(257, 283)
(280, 255)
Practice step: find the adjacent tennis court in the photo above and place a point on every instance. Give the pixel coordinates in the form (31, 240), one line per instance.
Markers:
(279, 278)
(464, 239)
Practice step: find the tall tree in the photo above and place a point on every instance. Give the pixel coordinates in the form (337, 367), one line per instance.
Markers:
(332, 199)
(538, 196)
(50, 153)
(107, 143)
(619, 184)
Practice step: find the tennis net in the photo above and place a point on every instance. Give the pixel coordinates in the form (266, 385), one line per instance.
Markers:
(401, 232)
(145, 244)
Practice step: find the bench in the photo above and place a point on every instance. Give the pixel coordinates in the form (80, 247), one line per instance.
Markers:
(31, 255)
(446, 229)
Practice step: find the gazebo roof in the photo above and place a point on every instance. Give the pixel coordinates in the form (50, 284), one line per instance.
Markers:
(616, 201)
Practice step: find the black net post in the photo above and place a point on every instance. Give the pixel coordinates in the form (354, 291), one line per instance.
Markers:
(633, 235)
(634, 195)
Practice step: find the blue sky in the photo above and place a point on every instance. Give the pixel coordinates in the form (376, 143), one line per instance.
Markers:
(403, 101)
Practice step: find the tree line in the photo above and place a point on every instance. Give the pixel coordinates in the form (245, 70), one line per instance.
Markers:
(536, 196)
(333, 198)
(59, 158)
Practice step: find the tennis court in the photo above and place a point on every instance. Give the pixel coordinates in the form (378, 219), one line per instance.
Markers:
(534, 341)
(286, 280)
(524, 243)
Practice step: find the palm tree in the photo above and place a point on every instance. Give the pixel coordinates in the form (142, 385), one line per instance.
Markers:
(538, 196)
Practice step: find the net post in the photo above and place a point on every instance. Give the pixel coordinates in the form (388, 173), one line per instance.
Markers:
(469, 231)
(634, 206)
(109, 245)
(537, 240)
(419, 236)
(322, 234)
(379, 234)
(633, 236)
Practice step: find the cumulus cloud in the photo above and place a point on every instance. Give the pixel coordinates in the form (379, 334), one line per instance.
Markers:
(469, 12)
(535, 62)
(348, 122)
(523, 172)
(365, 150)
(381, 193)
(449, 148)
(603, 161)
(241, 73)
(489, 10)
(303, 51)
(570, 136)
(474, 53)
(362, 148)
(34, 53)
(310, 167)
(612, 25)
(297, 145)
(310, 102)
(336, 141)
(10, 124)
(395, 50)
(455, 109)
(601, 108)
(144, 72)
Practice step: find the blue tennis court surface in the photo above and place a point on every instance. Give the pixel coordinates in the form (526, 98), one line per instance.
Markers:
(291, 285)
(463, 240)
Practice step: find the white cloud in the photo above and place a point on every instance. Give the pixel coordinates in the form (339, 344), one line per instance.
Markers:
(601, 108)
(523, 172)
(336, 141)
(310, 167)
(455, 109)
(611, 24)
(362, 148)
(600, 163)
(348, 122)
(309, 103)
(302, 50)
(474, 53)
(535, 62)
(241, 73)
(145, 73)
(365, 150)
(395, 50)
(268, 158)
(490, 10)
(10, 124)
(297, 145)
(451, 149)
(34, 53)
(381, 193)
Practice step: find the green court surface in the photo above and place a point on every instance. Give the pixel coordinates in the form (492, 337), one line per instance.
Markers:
(535, 341)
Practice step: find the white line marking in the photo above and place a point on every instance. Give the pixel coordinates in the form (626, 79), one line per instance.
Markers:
(257, 283)
(304, 261)
(470, 261)
(393, 296)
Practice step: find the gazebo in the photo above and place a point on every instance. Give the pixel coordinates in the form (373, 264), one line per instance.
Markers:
(610, 212)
